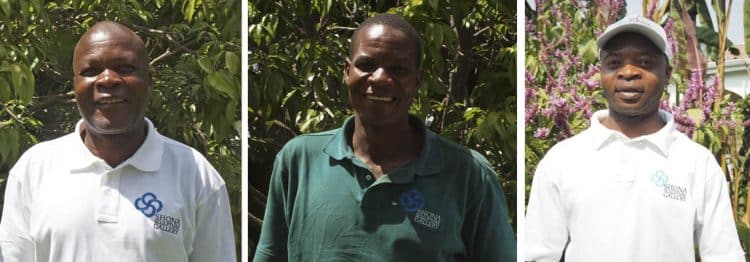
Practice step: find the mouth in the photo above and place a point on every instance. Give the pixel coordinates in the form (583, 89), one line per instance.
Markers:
(629, 93)
(110, 101)
(386, 99)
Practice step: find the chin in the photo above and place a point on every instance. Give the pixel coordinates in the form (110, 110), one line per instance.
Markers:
(634, 112)
(104, 127)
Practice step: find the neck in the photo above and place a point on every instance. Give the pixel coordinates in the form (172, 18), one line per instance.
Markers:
(113, 149)
(633, 126)
(384, 148)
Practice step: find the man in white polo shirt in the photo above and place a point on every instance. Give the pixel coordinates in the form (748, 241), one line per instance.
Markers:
(115, 189)
(631, 187)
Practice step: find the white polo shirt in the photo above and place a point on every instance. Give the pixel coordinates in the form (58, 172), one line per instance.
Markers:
(610, 198)
(165, 203)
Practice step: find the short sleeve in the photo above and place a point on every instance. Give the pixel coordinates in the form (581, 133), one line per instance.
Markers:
(214, 237)
(487, 231)
(272, 245)
(15, 240)
(546, 226)
(716, 234)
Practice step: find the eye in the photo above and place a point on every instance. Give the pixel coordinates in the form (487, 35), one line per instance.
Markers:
(90, 71)
(612, 63)
(125, 69)
(646, 62)
(366, 66)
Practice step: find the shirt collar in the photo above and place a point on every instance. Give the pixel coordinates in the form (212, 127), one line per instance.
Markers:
(429, 161)
(147, 158)
(661, 139)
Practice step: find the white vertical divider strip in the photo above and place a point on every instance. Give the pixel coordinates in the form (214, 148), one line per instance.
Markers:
(520, 128)
(244, 252)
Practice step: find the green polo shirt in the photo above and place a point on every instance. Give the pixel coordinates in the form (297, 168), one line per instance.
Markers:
(324, 205)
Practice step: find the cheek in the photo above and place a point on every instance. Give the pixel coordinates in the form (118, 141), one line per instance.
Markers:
(82, 85)
(355, 78)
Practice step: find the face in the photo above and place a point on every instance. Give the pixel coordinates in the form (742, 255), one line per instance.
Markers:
(111, 83)
(633, 73)
(382, 75)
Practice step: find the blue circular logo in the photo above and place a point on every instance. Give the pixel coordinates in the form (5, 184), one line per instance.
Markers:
(659, 178)
(148, 204)
(411, 200)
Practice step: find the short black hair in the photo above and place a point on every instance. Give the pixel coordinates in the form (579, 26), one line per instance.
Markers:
(397, 22)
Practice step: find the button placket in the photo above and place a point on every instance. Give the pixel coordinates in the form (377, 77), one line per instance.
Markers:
(109, 197)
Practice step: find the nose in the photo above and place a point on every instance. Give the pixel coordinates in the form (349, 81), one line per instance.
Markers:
(108, 78)
(629, 72)
(380, 78)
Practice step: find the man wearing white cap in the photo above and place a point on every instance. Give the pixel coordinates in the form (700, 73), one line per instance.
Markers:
(631, 187)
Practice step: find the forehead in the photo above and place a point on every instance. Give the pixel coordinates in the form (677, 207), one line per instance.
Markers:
(629, 41)
(383, 37)
(103, 45)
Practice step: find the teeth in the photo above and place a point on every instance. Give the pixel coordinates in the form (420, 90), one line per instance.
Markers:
(379, 98)
(111, 101)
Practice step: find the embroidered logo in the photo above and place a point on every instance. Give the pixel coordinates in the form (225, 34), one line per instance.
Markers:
(675, 192)
(659, 178)
(413, 202)
(427, 218)
(167, 223)
(148, 204)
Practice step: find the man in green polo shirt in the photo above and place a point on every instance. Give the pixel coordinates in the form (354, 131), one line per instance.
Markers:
(383, 187)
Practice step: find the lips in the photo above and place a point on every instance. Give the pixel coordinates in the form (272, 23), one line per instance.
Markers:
(386, 99)
(629, 93)
(110, 101)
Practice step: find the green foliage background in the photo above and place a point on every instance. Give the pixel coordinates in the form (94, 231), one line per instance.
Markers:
(194, 47)
(297, 51)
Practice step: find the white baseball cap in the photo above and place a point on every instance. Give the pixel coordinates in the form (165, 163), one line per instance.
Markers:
(639, 25)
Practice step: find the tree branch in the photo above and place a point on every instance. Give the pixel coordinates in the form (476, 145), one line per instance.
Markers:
(16, 118)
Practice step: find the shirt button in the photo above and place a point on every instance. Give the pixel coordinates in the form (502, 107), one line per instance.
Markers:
(368, 177)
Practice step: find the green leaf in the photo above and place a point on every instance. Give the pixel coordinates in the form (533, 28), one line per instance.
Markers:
(189, 10)
(232, 63)
(589, 50)
(16, 76)
(4, 89)
(696, 114)
(13, 144)
(27, 91)
(4, 145)
(206, 64)
(223, 83)
(5, 5)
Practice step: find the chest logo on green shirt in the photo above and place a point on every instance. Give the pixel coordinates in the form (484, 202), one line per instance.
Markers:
(413, 202)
